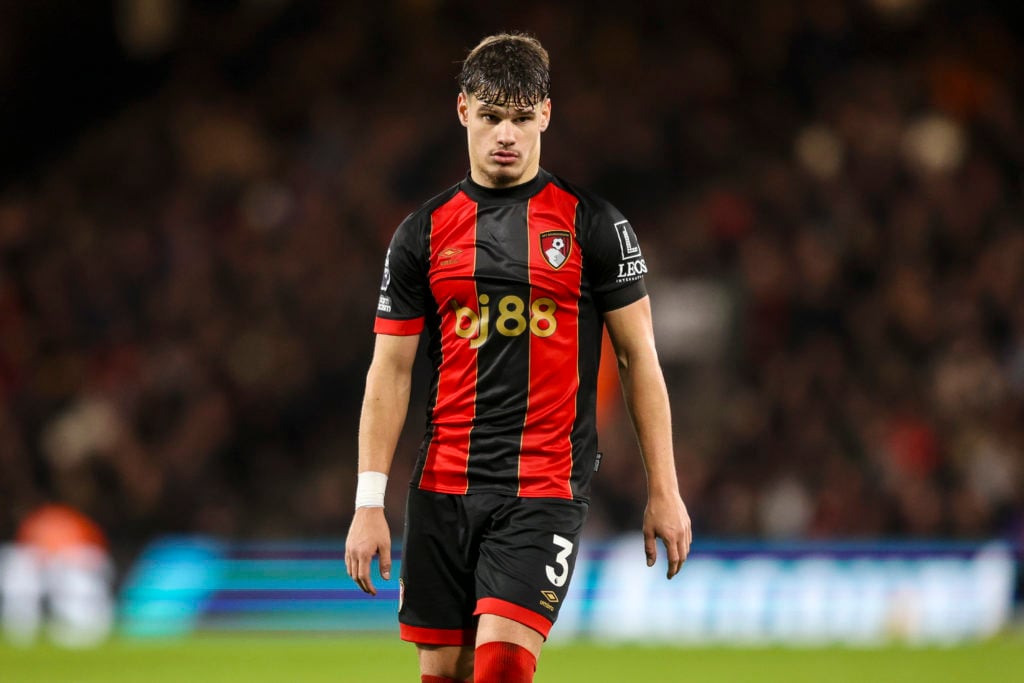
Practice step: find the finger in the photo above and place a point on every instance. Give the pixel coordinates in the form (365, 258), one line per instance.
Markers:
(367, 580)
(363, 571)
(650, 548)
(351, 566)
(385, 562)
(675, 562)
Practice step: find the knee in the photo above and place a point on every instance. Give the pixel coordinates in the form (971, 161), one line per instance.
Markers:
(445, 664)
(503, 662)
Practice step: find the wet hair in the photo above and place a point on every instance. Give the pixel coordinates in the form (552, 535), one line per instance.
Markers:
(507, 70)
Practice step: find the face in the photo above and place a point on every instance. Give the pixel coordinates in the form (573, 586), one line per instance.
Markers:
(504, 142)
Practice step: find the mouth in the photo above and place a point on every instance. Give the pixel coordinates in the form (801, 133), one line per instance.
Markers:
(505, 157)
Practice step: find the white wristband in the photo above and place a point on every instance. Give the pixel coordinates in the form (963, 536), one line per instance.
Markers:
(370, 490)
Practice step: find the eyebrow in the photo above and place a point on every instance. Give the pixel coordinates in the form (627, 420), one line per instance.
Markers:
(515, 111)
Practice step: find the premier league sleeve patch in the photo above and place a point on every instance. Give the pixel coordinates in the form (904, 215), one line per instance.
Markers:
(385, 281)
(555, 246)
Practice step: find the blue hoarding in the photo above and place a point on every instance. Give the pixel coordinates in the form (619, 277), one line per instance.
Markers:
(803, 593)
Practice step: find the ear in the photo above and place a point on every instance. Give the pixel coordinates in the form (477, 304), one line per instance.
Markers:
(545, 115)
(462, 108)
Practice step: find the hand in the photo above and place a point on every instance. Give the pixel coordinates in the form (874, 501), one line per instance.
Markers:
(369, 535)
(666, 518)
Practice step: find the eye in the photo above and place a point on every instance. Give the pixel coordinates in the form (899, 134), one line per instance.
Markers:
(489, 118)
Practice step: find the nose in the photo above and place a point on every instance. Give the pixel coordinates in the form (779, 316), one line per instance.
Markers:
(506, 133)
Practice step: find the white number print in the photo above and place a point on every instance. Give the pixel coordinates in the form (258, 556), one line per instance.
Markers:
(558, 577)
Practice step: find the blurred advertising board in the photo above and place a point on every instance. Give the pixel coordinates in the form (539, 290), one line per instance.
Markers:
(63, 596)
(799, 593)
(795, 593)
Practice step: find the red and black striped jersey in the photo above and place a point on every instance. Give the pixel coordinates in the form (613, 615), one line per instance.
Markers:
(511, 286)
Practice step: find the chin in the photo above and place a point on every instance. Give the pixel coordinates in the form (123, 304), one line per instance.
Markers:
(504, 175)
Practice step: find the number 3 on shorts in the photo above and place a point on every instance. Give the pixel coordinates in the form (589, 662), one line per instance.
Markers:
(559, 576)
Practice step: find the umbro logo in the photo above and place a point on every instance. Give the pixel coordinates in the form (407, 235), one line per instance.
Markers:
(449, 256)
(549, 601)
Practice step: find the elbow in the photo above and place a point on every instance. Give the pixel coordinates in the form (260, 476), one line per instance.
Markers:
(389, 374)
(629, 358)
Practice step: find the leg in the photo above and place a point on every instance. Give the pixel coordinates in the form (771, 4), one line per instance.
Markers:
(435, 608)
(526, 560)
(445, 663)
(495, 629)
(506, 651)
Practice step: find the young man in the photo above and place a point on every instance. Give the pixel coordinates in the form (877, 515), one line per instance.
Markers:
(512, 272)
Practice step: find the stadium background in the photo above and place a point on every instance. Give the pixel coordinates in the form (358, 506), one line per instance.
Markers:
(195, 198)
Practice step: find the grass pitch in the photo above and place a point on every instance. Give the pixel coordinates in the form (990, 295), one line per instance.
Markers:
(350, 659)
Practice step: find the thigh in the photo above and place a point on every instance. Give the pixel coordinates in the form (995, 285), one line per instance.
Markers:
(446, 661)
(437, 580)
(526, 559)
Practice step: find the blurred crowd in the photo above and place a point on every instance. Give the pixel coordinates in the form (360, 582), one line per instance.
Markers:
(187, 295)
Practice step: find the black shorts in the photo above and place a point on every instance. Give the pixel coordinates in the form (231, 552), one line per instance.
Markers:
(484, 553)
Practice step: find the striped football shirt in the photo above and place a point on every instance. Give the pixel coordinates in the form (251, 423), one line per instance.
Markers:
(510, 286)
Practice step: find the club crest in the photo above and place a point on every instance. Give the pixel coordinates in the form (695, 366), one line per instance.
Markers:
(555, 246)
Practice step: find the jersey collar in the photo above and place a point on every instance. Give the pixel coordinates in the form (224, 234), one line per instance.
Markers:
(525, 190)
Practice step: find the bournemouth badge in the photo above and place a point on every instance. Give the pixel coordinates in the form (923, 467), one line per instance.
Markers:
(555, 246)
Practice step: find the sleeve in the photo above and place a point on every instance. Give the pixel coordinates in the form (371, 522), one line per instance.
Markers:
(613, 262)
(404, 289)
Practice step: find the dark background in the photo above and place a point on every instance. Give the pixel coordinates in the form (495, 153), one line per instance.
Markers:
(195, 199)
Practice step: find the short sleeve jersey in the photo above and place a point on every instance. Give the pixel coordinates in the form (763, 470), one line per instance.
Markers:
(511, 286)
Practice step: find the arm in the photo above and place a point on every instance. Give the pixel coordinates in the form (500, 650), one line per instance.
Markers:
(385, 403)
(643, 386)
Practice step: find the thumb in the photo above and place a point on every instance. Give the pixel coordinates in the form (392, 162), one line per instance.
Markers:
(650, 548)
(385, 562)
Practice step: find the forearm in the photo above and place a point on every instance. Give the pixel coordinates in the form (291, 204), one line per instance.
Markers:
(643, 386)
(385, 404)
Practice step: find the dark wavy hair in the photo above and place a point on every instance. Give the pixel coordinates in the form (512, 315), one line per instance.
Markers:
(507, 70)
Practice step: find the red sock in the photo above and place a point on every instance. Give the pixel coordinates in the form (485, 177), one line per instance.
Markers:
(437, 679)
(499, 662)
